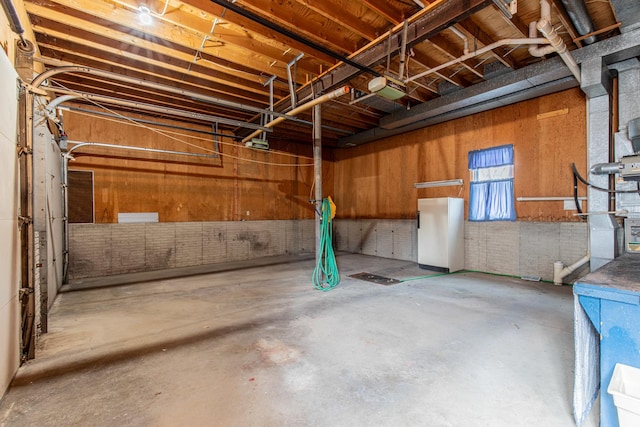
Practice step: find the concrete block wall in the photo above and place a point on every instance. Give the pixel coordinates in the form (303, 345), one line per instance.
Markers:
(395, 239)
(97, 250)
(513, 248)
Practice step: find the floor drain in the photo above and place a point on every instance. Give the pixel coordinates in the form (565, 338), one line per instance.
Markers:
(380, 280)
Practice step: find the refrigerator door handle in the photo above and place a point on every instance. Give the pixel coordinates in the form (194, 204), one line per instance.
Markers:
(418, 217)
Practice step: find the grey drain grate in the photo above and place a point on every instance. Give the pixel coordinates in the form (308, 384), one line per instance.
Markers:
(380, 280)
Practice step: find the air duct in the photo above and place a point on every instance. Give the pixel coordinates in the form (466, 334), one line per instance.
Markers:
(580, 18)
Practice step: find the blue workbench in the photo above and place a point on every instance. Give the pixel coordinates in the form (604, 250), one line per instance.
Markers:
(607, 331)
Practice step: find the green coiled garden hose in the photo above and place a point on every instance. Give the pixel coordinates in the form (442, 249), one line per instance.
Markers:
(326, 275)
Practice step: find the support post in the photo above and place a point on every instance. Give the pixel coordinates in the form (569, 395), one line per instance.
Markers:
(596, 84)
(317, 171)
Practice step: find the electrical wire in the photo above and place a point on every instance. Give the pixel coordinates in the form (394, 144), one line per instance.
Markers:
(132, 122)
(577, 175)
(166, 3)
(325, 275)
(167, 135)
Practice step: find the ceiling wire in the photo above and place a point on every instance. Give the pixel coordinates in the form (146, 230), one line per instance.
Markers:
(204, 40)
(292, 35)
(166, 3)
(167, 135)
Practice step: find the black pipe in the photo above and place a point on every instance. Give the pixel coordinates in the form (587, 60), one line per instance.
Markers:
(14, 19)
(285, 32)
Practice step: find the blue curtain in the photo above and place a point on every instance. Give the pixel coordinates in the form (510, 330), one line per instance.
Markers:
(491, 200)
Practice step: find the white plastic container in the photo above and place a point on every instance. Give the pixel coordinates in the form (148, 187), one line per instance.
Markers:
(625, 389)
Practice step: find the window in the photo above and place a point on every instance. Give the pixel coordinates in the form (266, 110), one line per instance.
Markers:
(491, 193)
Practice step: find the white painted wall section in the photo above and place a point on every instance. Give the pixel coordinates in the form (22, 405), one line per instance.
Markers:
(9, 237)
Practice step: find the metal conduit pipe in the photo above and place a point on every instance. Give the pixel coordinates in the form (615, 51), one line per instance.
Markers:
(146, 122)
(505, 42)
(319, 100)
(230, 5)
(162, 110)
(107, 74)
(59, 100)
(14, 20)
(81, 144)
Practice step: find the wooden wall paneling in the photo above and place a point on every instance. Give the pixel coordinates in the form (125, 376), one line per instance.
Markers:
(548, 134)
(182, 188)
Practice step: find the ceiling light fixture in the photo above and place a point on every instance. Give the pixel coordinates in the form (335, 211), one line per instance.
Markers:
(144, 15)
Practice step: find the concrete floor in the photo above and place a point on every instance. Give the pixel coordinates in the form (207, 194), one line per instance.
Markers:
(260, 347)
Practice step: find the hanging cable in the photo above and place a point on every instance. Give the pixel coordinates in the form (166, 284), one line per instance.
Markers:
(577, 175)
(167, 135)
(326, 275)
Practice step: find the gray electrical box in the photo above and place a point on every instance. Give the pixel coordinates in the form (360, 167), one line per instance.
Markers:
(630, 168)
(632, 235)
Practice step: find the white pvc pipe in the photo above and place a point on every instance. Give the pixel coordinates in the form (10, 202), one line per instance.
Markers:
(547, 199)
(319, 100)
(464, 38)
(560, 273)
(59, 100)
(403, 49)
(479, 52)
(545, 10)
(545, 27)
(556, 42)
(538, 51)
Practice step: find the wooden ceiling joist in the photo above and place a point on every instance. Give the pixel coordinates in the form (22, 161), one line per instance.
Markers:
(429, 22)
(159, 62)
(228, 49)
(59, 56)
(93, 29)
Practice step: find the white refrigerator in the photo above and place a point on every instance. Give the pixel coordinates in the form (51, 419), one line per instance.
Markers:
(441, 234)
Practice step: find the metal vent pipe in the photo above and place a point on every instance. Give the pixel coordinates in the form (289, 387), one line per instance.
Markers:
(580, 18)
(14, 19)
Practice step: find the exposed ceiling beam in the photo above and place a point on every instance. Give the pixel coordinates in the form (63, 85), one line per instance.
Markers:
(66, 54)
(515, 23)
(56, 19)
(198, 22)
(451, 52)
(385, 9)
(296, 18)
(426, 23)
(209, 10)
(342, 17)
(159, 62)
(482, 39)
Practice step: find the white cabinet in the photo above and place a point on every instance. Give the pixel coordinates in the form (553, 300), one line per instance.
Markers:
(441, 234)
